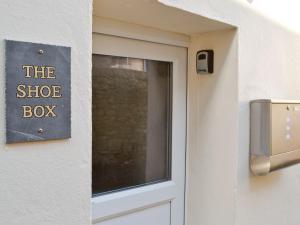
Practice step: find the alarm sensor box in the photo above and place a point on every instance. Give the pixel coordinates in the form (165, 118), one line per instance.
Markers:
(275, 135)
(205, 61)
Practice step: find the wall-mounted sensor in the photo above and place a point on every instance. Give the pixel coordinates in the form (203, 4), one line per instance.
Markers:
(205, 62)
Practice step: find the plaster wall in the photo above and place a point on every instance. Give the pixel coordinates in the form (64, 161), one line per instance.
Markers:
(268, 55)
(49, 183)
(212, 132)
(220, 188)
(269, 68)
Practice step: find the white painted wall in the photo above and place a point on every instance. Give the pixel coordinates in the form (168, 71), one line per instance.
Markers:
(49, 183)
(212, 132)
(220, 188)
(272, 73)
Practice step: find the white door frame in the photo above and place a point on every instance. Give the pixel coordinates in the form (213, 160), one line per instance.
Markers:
(124, 202)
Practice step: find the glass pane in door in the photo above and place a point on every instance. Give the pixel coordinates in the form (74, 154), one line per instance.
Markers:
(131, 122)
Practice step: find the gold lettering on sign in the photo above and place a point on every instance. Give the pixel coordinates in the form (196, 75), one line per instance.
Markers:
(50, 110)
(27, 68)
(50, 74)
(39, 71)
(48, 91)
(43, 72)
(39, 91)
(20, 91)
(56, 91)
(33, 89)
(27, 113)
(38, 111)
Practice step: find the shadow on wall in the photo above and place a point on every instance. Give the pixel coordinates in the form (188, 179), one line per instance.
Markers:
(265, 77)
(213, 127)
(269, 68)
(256, 182)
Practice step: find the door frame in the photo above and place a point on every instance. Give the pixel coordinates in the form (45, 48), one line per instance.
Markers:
(124, 202)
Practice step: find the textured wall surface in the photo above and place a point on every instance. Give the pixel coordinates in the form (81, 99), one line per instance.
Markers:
(268, 55)
(48, 183)
(212, 133)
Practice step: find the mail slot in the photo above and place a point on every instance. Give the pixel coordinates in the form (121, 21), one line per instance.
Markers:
(275, 135)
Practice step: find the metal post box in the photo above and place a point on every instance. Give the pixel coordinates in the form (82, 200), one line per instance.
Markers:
(274, 135)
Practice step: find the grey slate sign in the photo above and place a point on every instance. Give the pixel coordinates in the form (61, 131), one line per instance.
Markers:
(38, 92)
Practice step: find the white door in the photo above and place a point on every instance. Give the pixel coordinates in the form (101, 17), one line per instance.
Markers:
(139, 132)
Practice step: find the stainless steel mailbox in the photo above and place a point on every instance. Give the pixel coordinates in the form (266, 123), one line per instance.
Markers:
(275, 135)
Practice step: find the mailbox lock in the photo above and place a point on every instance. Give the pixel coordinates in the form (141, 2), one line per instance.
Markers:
(205, 62)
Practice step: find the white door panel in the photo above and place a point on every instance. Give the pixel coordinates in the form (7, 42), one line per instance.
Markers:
(160, 203)
(158, 215)
(132, 200)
